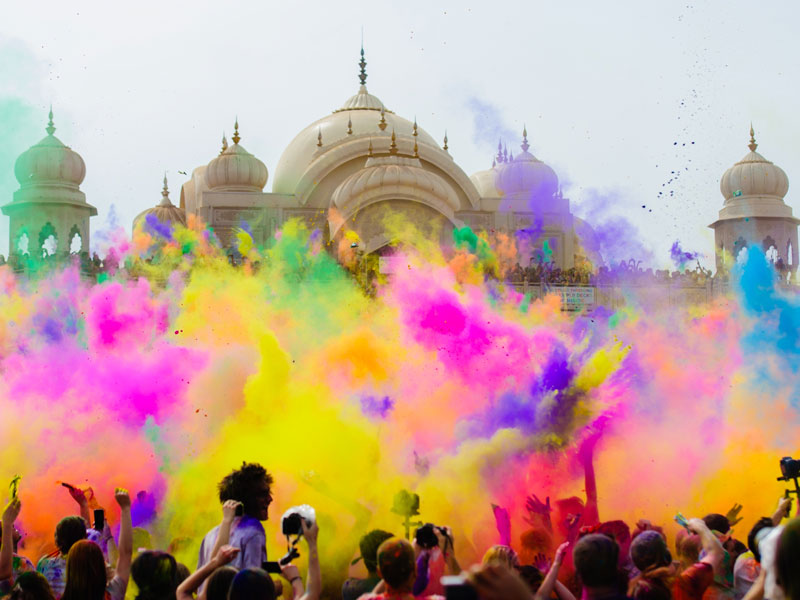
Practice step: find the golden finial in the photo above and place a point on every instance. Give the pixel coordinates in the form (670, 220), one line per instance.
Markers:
(236, 137)
(224, 143)
(369, 150)
(525, 144)
(362, 77)
(319, 137)
(752, 145)
(382, 124)
(393, 145)
(165, 189)
(50, 129)
(349, 125)
(414, 132)
(416, 149)
(445, 140)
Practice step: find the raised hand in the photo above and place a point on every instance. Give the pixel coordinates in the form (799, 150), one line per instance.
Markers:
(11, 512)
(537, 507)
(561, 552)
(310, 533)
(229, 510)
(122, 497)
(541, 562)
(226, 554)
(289, 572)
(733, 514)
(502, 521)
(78, 495)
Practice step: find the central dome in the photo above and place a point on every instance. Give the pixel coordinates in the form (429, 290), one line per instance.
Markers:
(361, 115)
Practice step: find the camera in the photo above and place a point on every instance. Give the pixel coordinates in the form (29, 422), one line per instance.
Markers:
(790, 468)
(290, 522)
(426, 536)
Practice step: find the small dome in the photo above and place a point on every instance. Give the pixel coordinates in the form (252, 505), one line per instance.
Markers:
(485, 182)
(235, 169)
(391, 174)
(165, 211)
(527, 174)
(50, 162)
(363, 100)
(754, 175)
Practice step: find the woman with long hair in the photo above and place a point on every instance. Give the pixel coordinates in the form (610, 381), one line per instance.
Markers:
(86, 567)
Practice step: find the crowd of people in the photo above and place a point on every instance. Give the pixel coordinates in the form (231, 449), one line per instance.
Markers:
(567, 553)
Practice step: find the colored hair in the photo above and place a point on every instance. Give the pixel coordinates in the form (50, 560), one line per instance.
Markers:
(396, 563)
(501, 555)
(86, 572)
(243, 485)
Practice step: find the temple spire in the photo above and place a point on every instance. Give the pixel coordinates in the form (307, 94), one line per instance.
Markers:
(165, 201)
(499, 151)
(349, 125)
(393, 145)
(319, 137)
(362, 77)
(524, 144)
(382, 123)
(236, 137)
(224, 143)
(445, 140)
(752, 145)
(50, 129)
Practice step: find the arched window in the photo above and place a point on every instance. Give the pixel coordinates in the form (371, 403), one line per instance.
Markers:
(75, 240)
(47, 240)
(22, 243)
(741, 258)
(772, 254)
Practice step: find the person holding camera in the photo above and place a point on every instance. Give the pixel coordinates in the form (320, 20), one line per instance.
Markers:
(246, 495)
(435, 558)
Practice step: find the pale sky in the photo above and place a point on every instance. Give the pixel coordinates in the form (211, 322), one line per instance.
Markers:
(610, 91)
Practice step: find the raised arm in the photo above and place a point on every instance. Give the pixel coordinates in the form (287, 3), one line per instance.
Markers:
(80, 497)
(711, 545)
(782, 512)
(221, 558)
(10, 515)
(228, 514)
(591, 513)
(546, 589)
(123, 569)
(314, 578)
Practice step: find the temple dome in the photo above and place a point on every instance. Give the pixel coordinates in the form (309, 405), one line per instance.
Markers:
(486, 182)
(754, 175)
(526, 174)
(235, 169)
(361, 115)
(50, 162)
(397, 176)
(165, 211)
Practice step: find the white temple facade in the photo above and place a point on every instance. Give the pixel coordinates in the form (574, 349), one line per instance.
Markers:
(363, 164)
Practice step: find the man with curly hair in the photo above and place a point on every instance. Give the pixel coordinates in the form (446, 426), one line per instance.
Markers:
(248, 487)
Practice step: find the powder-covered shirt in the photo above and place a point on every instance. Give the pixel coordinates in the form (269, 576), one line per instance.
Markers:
(768, 548)
(693, 582)
(54, 569)
(116, 588)
(745, 572)
(247, 534)
(19, 565)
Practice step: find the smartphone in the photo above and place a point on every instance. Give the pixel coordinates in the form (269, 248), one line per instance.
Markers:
(271, 567)
(99, 519)
(239, 510)
(457, 588)
(681, 520)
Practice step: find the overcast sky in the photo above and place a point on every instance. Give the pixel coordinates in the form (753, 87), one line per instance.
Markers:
(618, 96)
